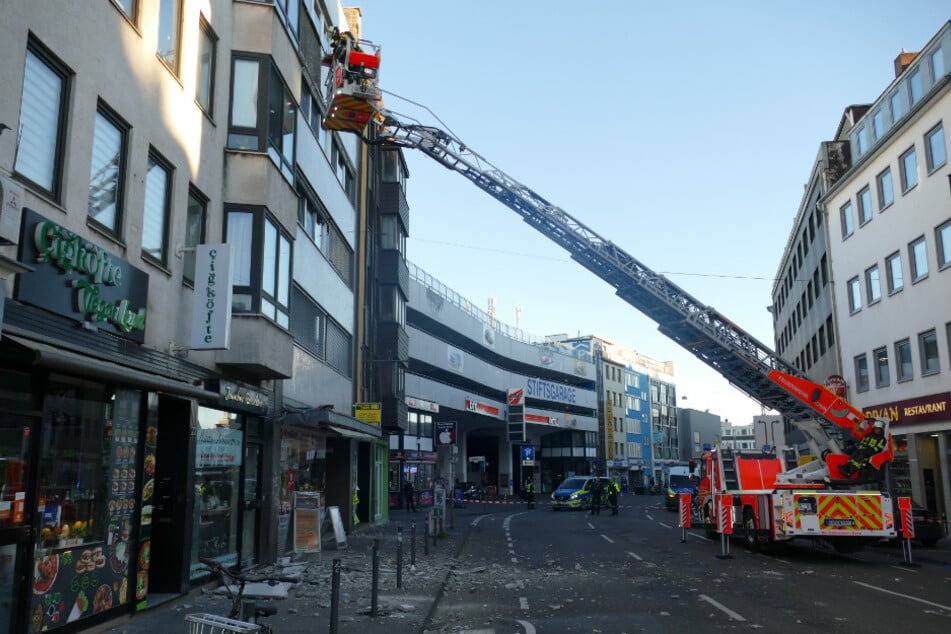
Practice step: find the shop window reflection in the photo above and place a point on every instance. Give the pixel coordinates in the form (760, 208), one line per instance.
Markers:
(217, 469)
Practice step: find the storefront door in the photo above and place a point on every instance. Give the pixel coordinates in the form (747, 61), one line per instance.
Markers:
(251, 508)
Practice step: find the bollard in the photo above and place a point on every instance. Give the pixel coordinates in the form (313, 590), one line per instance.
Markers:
(375, 579)
(434, 520)
(426, 539)
(399, 557)
(412, 544)
(334, 596)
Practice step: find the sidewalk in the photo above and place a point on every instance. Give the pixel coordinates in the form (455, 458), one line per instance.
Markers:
(306, 608)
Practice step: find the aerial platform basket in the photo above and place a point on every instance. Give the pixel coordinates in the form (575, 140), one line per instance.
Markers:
(213, 624)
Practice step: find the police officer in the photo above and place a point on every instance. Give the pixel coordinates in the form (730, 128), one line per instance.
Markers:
(614, 490)
(597, 490)
(529, 489)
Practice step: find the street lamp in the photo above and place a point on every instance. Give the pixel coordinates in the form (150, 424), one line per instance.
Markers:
(771, 431)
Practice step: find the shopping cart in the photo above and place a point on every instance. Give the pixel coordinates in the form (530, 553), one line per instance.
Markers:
(213, 624)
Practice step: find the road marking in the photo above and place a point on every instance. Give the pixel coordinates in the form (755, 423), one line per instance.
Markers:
(607, 539)
(904, 596)
(590, 525)
(529, 628)
(905, 569)
(649, 516)
(634, 556)
(523, 603)
(665, 525)
(730, 613)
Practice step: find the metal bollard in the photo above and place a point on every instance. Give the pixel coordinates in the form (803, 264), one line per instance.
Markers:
(334, 596)
(426, 539)
(399, 557)
(375, 579)
(412, 544)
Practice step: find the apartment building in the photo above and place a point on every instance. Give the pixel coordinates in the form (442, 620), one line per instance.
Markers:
(193, 281)
(889, 239)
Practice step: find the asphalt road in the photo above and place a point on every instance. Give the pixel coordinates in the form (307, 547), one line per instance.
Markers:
(544, 571)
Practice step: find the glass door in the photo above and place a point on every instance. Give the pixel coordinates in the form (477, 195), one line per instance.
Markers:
(252, 504)
(14, 522)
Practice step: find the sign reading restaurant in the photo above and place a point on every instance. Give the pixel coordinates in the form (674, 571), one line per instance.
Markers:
(79, 279)
(924, 409)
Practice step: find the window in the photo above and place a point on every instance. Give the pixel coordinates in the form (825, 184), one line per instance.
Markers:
(882, 377)
(262, 264)
(865, 205)
(909, 170)
(194, 231)
(392, 305)
(848, 222)
(861, 373)
(393, 236)
(884, 185)
(205, 77)
(903, 360)
(310, 111)
(338, 354)
(893, 272)
(894, 101)
(262, 119)
(928, 350)
(275, 280)
(307, 323)
(861, 140)
(107, 169)
(158, 195)
(128, 7)
(937, 65)
(873, 284)
(918, 255)
(942, 234)
(878, 124)
(170, 34)
(317, 223)
(855, 295)
(289, 11)
(42, 120)
(936, 154)
(914, 85)
(281, 124)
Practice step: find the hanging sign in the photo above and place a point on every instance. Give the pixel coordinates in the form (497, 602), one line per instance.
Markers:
(211, 311)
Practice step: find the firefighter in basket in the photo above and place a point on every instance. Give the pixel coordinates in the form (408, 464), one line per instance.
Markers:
(875, 442)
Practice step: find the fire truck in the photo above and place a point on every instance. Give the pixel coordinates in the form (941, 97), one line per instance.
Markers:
(770, 497)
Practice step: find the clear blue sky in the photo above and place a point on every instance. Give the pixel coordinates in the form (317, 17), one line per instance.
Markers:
(682, 131)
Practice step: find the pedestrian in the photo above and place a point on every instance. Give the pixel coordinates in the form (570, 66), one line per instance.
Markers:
(596, 490)
(529, 489)
(409, 496)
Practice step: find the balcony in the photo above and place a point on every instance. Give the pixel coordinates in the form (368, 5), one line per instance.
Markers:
(260, 350)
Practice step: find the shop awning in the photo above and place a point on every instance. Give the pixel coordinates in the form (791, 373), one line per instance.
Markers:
(50, 357)
(335, 423)
(350, 433)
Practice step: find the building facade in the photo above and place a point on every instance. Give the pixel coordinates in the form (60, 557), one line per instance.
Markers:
(183, 256)
(890, 243)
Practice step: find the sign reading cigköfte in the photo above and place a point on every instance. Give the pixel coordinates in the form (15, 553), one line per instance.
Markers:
(211, 312)
(77, 278)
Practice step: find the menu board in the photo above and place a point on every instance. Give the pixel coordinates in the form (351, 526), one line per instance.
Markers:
(147, 505)
(306, 522)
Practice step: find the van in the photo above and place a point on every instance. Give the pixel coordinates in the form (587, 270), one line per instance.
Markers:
(575, 492)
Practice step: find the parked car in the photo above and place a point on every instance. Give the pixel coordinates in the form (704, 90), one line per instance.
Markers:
(928, 528)
(575, 492)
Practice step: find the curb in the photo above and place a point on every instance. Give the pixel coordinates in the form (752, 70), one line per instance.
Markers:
(427, 622)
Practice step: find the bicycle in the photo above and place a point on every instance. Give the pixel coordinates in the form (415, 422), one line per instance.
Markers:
(243, 615)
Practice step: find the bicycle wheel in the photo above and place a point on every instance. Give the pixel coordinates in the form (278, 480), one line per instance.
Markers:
(203, 623)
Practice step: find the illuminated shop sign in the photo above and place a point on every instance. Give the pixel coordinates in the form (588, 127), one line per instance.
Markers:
(78, 279)
(924, 409)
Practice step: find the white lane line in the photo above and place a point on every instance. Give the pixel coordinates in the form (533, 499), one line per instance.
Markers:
(730, 613)
(590, 525)
(904, 596)
(649, 516)
(635, 556)
(665, 525)
(607, 539)
(905, 569)
(529, 628)
(523, 603)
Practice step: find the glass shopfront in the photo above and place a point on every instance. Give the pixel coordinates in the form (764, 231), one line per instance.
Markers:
(218, 453)
(87, 501)
(303, 468)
